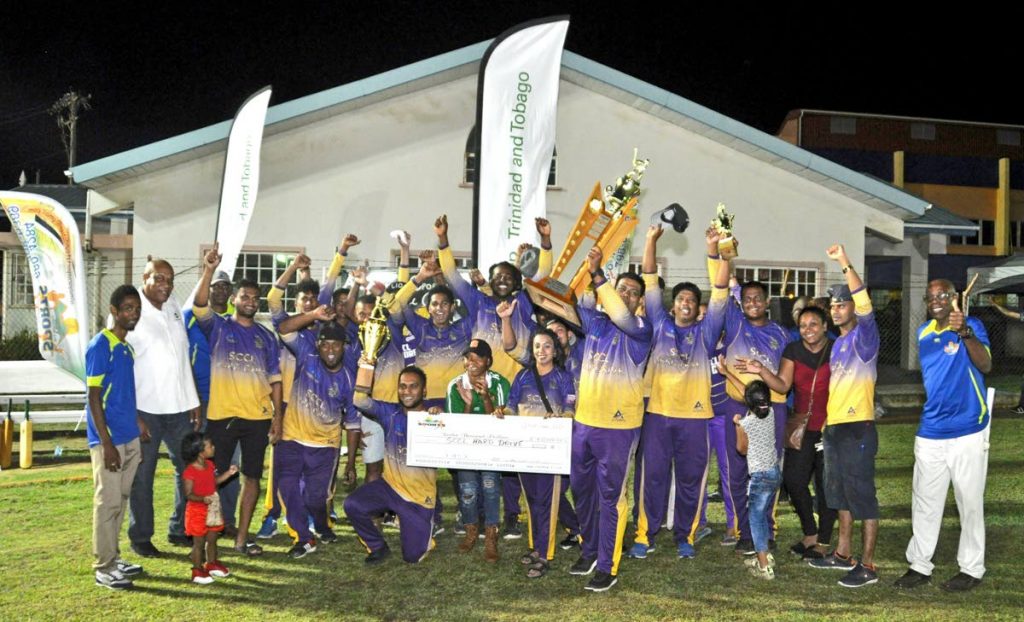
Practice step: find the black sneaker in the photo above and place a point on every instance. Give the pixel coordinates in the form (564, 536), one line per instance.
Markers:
(833, 562)
(570, 541)
(860, 576)
(745, 547)
(583, 566)
(715, 497)
(961, 582)
(512, 530)
(179, 539)
(302, 549)
(911, 579)
(377, 556)
(601, 582)
(328, 536)
(145, 549)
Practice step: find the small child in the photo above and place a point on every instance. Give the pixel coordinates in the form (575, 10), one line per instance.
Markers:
(755, 437)
(203, 507)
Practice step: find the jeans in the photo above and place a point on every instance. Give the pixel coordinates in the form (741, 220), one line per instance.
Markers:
(170, 430)
(469, 491)
(761, 496)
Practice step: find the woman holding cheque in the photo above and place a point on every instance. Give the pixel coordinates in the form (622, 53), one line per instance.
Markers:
(805, 369)
(543, 388)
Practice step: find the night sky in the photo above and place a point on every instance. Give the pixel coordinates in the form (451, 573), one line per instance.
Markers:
(155, 73)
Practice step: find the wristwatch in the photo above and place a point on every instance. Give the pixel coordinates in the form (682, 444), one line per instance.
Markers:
(966, 333)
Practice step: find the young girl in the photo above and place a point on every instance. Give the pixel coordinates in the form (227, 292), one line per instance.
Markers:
(203, 506)
(755, 437)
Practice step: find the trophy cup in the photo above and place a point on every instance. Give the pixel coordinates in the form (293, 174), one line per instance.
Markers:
(723, 222)
(374, 333)
(605, 221)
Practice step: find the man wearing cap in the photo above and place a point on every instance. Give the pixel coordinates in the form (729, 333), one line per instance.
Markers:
(952, 441)
(166, 399)
(199, 355)
(479, 391)
(850, 439)
(319, 407)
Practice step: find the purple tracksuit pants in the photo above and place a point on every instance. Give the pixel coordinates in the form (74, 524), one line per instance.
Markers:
(415, 522)
(600, 462)
(668, 442)
(304, 476)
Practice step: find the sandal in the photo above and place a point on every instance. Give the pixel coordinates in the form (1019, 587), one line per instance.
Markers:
(537, 569)
(530, 558)
(250, 549)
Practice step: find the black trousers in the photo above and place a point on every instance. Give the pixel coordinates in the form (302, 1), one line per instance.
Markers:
(798, 468)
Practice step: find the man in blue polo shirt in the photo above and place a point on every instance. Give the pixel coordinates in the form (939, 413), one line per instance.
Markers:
(113, 433)
(952, 440)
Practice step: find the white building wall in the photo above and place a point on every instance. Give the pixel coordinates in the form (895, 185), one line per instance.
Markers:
(398, 164)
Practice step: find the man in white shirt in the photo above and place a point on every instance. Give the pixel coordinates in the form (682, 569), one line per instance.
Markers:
(166, 400)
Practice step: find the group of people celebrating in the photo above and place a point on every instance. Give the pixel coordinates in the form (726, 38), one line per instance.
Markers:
(645, 385)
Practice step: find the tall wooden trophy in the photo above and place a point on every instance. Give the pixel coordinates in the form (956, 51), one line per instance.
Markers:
(605, 221)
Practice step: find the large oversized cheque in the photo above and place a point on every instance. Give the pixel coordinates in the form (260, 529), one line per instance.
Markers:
(486, 443)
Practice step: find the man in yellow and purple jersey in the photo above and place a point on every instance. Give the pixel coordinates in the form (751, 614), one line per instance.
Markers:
(608, 417)
(850, 439)
(245, 389)
(675, 442)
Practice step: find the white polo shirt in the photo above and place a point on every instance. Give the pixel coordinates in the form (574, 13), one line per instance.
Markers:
(163, 375)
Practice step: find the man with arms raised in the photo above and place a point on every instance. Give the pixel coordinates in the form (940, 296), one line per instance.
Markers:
(850, 439)
(608, 417)
(245, 389)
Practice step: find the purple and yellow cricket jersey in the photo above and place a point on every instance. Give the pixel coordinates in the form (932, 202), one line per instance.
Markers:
(244, 362)
(486, 324)
(611, 381)
(853, 366)
(438, 350)
(679, 367)
(744, 340)
(559, 387)
(321, 400)
(414, 484)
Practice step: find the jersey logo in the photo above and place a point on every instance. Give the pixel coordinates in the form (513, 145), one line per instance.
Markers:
(698, 406)
(334, 391)
(229, 338)
(773, 343)
(951, 348)
(852, 411)
(689, 339)
(428, 500)
(258, 342)
(618, 416)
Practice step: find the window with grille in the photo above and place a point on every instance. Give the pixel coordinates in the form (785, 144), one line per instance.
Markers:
(470, 168)
(19, 282)
(986, 235)
(798, 281)
(264, 268)
(463, 261)
(843, 125)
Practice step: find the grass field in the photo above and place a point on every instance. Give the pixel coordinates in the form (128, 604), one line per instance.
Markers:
(45, 528)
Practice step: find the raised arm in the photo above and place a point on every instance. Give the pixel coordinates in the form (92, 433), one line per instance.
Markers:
(508, 334)
(463, 289)
(868, 339)
(275, 298)
(653, 293)
(544, 259)
(1013, 315)
(613, 305)
(201, 302)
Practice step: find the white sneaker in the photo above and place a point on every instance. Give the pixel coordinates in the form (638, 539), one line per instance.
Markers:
(128, 569)
(114, 579)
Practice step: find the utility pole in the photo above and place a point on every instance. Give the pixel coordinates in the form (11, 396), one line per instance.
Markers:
(66, 110)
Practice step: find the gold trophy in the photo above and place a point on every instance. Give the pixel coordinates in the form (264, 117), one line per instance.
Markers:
(374, 333)
(723, 222)
(605, 221)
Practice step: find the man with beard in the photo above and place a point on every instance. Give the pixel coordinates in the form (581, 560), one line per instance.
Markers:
(850, 439)
(952, 441)
(167, 401)
(675, 442)
(320, 406)
(407, 491)
(749, 334)
(245, 389)
(506, 283)
(608, 417)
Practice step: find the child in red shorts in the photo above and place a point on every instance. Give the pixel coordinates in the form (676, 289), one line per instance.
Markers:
(203, 507)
